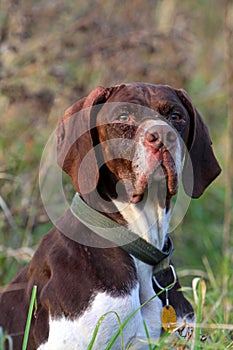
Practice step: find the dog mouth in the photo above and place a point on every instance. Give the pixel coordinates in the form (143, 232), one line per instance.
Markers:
(163, 173)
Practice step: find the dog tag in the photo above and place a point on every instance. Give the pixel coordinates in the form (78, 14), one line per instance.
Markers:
(169, 318)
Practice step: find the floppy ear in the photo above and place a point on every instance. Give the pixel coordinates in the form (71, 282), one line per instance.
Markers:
(75, 152)
(204, 164)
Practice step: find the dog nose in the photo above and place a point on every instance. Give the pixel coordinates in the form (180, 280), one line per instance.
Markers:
(160, 135)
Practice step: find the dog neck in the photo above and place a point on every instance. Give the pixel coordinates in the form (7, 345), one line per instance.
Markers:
(150, 221)
(148, 218)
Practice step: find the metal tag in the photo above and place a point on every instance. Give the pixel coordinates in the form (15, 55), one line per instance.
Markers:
(169, 318)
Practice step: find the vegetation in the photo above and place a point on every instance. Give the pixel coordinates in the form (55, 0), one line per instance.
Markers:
(54, 52)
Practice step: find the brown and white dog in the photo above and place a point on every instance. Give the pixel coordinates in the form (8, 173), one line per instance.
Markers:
(124, 149)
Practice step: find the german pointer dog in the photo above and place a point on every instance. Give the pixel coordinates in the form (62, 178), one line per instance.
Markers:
(125, 147)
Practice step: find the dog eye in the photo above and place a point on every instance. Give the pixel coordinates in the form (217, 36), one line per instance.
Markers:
(175, 117)
(123, 118)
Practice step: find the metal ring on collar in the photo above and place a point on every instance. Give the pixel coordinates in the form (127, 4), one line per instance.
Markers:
(171, 285)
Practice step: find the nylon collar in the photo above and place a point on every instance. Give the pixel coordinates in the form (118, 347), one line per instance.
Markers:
(131, 242)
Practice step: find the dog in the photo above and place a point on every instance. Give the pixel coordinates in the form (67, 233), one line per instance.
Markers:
(125, 148)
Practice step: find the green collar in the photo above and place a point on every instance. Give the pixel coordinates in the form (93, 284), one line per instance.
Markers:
(121, 236)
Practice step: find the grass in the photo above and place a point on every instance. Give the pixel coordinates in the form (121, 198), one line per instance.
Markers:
(210, 331)
(119, 332)
(7, 339)
(213, 327)
(32, 305)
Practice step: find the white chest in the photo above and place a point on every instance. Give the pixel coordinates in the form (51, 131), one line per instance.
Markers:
(110, 314)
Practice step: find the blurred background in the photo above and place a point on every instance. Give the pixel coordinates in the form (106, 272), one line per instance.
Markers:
(54, 52)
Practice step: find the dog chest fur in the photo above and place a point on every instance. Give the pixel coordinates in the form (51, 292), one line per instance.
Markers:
(76, 334)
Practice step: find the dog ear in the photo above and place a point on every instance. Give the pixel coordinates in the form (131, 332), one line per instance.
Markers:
(204, 165)
(75, 151)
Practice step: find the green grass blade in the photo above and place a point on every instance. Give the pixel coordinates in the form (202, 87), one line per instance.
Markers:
(96, 330)
(147, 335)
(199, 289)
(29, 318)
(126, 321)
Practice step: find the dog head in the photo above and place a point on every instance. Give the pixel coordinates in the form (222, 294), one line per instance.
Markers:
(134, 134)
